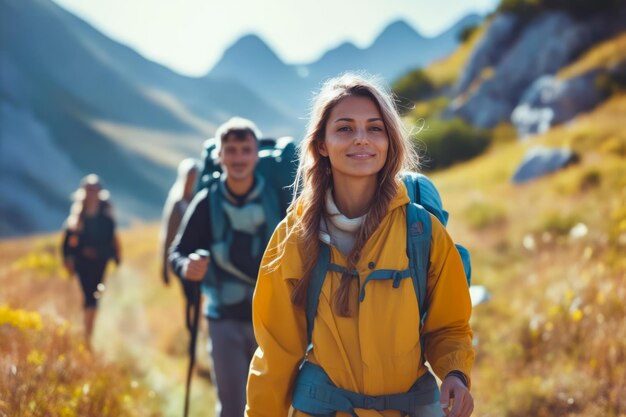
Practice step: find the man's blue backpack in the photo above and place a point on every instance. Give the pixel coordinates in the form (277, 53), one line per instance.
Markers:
(314, 392)
(277, 164)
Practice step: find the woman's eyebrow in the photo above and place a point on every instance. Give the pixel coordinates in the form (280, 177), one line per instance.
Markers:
(348, 119)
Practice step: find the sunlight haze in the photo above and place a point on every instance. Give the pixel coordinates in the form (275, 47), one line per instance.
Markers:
(189, 36)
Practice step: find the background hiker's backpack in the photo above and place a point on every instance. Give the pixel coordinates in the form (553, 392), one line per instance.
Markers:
(277, 164)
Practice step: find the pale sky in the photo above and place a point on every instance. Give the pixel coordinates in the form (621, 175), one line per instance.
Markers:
(190, 36)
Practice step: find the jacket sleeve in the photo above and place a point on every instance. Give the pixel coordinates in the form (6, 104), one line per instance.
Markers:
(280, 331)
(193, 233)
(68, 246)
(171, 219)
(447, 333)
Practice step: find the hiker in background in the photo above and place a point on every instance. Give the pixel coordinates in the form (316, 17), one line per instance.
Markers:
(177, 201)
(232, 219)
(89, 242)
(365, 347)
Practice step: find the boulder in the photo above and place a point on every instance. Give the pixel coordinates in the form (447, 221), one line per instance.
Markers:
(540, 161)
(549, 101)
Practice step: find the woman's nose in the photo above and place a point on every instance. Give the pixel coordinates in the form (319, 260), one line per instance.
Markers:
(360, 136)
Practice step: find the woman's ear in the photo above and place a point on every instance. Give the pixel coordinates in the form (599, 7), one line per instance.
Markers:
(321, 147)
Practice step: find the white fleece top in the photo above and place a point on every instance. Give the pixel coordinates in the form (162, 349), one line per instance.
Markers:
(337, 229)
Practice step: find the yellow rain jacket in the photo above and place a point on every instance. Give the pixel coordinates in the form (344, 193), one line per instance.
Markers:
(376, 350)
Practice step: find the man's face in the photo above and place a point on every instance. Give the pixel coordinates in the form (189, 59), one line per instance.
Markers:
(238, 157)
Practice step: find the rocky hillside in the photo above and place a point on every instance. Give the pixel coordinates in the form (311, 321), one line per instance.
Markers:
(511, 73)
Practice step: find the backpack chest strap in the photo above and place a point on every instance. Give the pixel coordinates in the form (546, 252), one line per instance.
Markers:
(382, 274)
(314, 393)
(379, 274)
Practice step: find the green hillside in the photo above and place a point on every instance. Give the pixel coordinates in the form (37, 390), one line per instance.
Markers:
(552, 341)
(553, 254)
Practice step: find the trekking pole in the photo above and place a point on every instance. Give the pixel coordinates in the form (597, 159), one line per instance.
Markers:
(192, 317)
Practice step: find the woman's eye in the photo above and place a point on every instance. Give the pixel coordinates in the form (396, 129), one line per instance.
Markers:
(376, 129)
(344, 129)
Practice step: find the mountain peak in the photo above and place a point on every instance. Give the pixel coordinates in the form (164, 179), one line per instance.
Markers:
(249, 40)
(399, 29)
(249, 50)
(250, 43)
(346, 47)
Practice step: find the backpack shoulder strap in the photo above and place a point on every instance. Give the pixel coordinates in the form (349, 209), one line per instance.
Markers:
(270, 201)
(315, 288)
(423, 192)
(216, 213)
(419, 230)
(411, 182)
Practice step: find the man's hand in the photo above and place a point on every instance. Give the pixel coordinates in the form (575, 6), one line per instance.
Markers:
(456, 400)
(195, 267)
(69, 267)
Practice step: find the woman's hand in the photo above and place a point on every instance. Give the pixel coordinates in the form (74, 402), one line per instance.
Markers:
(456, 400)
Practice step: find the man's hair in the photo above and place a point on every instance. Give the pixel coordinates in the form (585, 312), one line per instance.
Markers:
(239, 128)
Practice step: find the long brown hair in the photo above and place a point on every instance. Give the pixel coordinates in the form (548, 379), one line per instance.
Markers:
(314, 177)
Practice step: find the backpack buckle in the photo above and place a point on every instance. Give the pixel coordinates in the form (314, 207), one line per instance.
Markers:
(397, 277)
(375, 403)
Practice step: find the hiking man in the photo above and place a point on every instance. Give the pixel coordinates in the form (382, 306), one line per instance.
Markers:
(233, 219)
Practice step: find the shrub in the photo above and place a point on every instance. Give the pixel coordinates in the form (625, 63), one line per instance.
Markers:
(466, 32)
(482, 214)
(558, 223)
(581, 8)
(590, 179)
(521, 8)
(413, 87)
(430, 109)
(578, 8)
(613, 82)
(452, 141)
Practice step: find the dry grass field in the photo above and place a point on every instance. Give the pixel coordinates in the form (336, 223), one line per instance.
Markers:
(138, 363)
(551, 342)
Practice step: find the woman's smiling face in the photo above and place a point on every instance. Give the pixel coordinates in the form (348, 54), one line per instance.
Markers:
(355, 139)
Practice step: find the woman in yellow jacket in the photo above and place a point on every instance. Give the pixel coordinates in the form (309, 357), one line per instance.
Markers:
(366, 345)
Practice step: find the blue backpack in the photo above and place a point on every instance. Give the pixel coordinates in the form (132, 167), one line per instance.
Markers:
(314, 392)
(277, 164)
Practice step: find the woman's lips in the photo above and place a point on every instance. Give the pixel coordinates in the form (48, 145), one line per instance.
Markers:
(361, 155)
